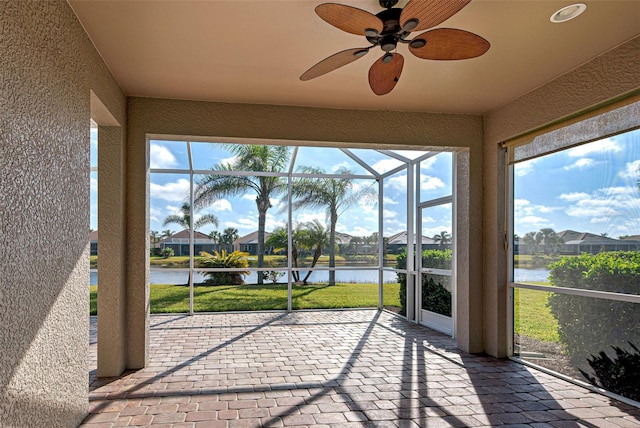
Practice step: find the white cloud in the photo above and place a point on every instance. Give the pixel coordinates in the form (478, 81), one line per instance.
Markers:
(589, 210)
(428, 163)
(176, 191)
(93, 184)
(574, 196)
(524, 168)
(397, 182)
(156, 214)
(219, 205)
(631, 171)
(311, 216)
(388, 201)
(602, 146)
(385, 165)
(161, 157)
(534, 222)
(387, 214)
(580, 163)
(430, 183)
(337, 166)
(430, 232)
(244, 225)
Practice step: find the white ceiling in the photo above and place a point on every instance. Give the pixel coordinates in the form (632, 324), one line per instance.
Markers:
(254, 51)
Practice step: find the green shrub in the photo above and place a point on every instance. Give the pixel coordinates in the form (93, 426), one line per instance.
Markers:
(273, 276)
(588, 325)
(221, 260)
(167, 252)
(620, 375)
(435, 296)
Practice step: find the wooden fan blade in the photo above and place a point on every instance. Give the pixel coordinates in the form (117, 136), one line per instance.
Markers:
(349, 19)
(430, 13)
(384, 76)
(333, 62)
(450, 44)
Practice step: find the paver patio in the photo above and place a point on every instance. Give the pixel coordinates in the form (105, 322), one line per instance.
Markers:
(356, 368)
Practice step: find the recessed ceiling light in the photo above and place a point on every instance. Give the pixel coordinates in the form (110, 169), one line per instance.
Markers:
(568, 12)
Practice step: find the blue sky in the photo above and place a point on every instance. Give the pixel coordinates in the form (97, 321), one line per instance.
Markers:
(168, 191)
(590, 188)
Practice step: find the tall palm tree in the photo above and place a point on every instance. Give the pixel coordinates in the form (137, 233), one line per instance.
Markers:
(216, 237)
(332, 194)
(184, 219)
(443, 238)
(260, 159)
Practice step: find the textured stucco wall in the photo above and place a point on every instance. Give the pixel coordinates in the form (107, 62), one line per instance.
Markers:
(604, 78)
(324, 126)
(47, 66)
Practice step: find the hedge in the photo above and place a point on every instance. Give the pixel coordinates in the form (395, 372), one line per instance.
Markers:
(588, 326)
(435, 296)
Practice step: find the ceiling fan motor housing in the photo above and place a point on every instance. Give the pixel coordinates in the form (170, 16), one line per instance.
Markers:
(391, 30)
(388, 4)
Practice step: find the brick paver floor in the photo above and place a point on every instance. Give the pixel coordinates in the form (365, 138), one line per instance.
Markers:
(359, 368)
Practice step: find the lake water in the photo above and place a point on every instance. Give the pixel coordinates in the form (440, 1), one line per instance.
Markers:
(362, 276)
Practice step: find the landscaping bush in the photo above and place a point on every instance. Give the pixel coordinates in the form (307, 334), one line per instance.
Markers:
(222, 259)
(435, 296)
(588, 325)
(620, 375)
(167, 252)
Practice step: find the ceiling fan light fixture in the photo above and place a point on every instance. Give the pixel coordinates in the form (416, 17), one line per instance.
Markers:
(410, 25)
(417, 43)
(567, 13)
(370, 32)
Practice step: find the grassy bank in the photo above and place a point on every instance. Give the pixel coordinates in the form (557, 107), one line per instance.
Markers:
(535, 321)
(166, 298)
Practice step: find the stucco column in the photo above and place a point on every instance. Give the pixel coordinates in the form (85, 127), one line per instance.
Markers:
(111, 253)
(468, 263)
(137, 226)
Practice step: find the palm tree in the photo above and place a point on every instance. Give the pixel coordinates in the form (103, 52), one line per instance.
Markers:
(334, 195)
(184, 219)
(316, 237)
(215, 186)
(280, 239)
(529, 240)
(443, 238)
(155, 236)
(229, 235)
(216, 237)
(166, 233)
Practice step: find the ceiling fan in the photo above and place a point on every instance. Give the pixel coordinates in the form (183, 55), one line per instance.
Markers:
(392, 26)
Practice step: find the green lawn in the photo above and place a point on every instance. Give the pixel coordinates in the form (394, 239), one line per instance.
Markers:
(536, 321)
(167, 298)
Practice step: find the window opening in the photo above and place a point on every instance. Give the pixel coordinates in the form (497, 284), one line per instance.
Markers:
(575, 250)
(205, 246)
